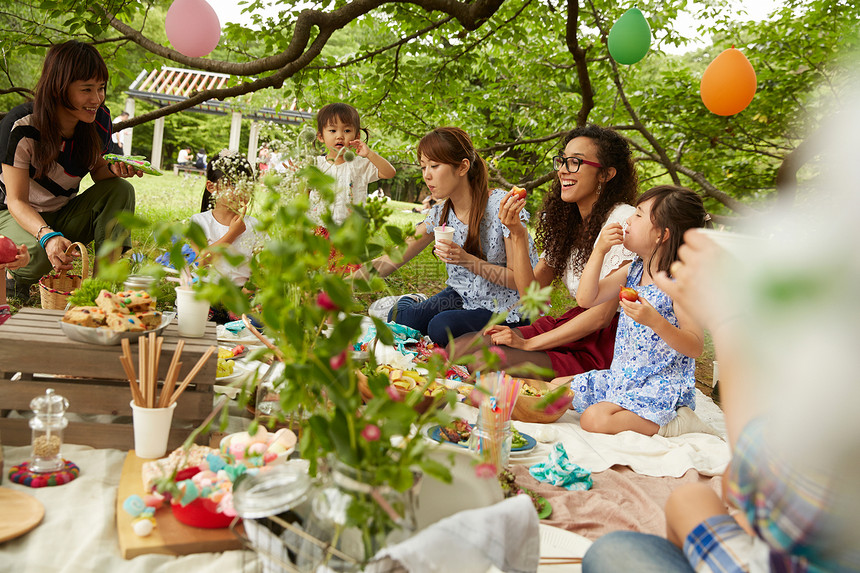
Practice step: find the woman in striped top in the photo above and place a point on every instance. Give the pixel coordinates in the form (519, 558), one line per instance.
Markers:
(46, 148)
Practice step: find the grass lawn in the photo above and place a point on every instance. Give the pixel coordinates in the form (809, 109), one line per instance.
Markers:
(172, 197)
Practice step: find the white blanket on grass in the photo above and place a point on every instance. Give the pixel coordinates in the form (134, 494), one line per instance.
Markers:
(646, 455)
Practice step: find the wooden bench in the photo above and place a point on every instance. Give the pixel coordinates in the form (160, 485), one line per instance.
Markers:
(186, 169)
(36, 355)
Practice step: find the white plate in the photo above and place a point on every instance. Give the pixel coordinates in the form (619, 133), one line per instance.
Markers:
(108, 337)
(239, 371)
(244, 337)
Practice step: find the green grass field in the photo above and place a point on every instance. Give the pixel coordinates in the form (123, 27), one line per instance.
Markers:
(173, 197)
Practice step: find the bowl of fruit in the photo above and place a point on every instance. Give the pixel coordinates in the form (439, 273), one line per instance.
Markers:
(527, 407)
(404, 382)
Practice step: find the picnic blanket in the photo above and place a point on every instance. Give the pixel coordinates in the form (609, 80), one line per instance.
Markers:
(633, 475)
(646, 455)
(620, 499)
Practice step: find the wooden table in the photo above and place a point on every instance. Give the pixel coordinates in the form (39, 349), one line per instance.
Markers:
(170, 537)
(36, 355)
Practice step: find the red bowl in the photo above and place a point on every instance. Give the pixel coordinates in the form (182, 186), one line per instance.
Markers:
(202, 513)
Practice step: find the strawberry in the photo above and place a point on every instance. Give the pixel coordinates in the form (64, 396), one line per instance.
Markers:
(518, 192)
(628, 293)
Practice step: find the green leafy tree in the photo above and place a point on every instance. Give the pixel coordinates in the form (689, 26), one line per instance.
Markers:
(516, 75)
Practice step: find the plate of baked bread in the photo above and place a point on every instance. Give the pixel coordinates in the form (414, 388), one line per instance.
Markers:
(115, 316)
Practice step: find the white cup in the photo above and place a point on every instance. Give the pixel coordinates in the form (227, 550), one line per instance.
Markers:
(444, 233)
(191, 313)
(743, 247)
(151, 430)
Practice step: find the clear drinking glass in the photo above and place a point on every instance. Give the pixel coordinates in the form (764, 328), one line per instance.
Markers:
(492, 440)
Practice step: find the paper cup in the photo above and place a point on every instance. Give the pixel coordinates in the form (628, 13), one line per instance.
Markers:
(191, 313)
(151, 430)
(743, 247)
(444, 232)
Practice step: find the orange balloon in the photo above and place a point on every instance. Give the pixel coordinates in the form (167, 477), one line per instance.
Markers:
(728, 84)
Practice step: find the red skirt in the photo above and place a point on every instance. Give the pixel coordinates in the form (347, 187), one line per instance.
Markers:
(592, 352)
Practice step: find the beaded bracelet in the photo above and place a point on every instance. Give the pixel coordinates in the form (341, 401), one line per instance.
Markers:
(39, 232)
(48, 236)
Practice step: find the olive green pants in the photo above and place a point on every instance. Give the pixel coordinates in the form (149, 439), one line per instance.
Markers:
(89, 216)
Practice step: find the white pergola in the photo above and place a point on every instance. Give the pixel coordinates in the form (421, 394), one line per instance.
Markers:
(170, 85)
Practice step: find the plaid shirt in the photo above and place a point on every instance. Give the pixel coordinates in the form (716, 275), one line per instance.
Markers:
(790, 510)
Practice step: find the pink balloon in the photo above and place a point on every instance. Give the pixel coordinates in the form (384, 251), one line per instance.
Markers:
(192, 27)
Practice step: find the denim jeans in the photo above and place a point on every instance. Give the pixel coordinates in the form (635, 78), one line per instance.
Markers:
(441, 314)
(633, 551)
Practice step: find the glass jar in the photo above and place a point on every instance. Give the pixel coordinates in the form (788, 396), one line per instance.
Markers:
(141, 282)
(492, 441)
(272, 504)
(268, 401)
(48, 424)
(356, 518)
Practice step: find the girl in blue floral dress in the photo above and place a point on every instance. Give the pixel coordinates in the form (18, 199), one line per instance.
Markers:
(652, 375)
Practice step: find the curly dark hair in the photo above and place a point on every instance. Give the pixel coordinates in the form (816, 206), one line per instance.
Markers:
(561, 229)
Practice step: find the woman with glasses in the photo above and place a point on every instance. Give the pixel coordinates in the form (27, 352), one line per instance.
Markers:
(594, 186)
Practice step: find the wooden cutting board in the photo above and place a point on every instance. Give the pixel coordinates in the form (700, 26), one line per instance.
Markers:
(20, 514)
(169, 536)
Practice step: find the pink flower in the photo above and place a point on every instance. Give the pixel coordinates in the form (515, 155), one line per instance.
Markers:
(485, 471)
(562, 403)
(371, 432)
(393, 393)
(325, 302)
(337, 361)
(497, 350)
(441, 352)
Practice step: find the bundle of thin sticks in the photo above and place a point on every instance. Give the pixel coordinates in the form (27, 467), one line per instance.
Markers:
(496, 410)
(144, 383)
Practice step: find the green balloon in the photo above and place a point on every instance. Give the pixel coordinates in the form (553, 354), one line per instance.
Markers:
(630, 38)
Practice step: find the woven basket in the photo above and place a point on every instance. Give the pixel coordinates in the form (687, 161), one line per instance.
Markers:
(56, 288)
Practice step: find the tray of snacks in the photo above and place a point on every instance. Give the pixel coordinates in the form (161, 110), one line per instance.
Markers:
(113, 317)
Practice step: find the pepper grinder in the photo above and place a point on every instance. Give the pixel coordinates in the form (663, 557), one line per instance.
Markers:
(48, 425)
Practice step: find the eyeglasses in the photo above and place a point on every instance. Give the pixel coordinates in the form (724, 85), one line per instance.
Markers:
(572, 163)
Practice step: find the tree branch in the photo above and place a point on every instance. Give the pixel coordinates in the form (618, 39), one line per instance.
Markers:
(638, 125)
(470, 15)
(297, 56)
(580, 59)
(397, 44)
(505, 146)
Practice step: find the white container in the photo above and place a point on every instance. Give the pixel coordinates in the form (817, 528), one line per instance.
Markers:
(151, 430)
(444, 233)
(743, 247)
(191, 313)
